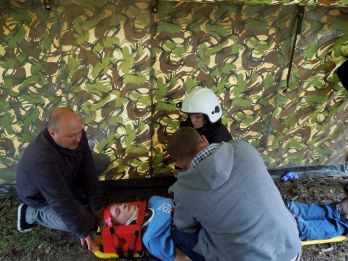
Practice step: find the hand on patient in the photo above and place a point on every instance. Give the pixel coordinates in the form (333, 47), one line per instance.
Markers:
(89, 242)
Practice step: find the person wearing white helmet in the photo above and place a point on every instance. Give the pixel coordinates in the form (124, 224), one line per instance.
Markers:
(204, 114)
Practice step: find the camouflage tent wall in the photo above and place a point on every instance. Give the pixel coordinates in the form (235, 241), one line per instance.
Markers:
(124, 65)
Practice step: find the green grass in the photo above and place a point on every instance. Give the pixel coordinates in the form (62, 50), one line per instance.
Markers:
(40, 244)
(12, 243)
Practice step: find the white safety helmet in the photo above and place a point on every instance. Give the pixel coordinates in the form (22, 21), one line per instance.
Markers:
(202, 100)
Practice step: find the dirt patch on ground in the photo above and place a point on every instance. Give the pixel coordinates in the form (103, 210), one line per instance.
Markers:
(45, 244)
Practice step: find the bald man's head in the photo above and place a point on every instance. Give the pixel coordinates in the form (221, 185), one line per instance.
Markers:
(65, 127)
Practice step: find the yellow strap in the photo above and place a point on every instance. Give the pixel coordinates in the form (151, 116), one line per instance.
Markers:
(324, 241)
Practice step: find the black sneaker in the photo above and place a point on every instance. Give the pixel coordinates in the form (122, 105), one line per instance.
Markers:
(22, 225)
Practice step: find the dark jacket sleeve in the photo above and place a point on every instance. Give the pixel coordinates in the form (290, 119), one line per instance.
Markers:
(49, 179)
(219, 134)
(89, 177)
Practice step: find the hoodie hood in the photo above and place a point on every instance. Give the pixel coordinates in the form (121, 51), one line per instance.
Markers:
(212, 172)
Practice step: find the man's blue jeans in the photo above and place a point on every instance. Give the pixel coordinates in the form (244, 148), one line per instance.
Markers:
(186, 242)
(316, 221)
(47, 217)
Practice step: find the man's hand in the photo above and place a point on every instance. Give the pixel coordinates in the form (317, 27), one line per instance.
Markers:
(89, 241)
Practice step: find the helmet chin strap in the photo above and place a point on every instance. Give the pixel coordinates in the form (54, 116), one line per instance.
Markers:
(133, 217)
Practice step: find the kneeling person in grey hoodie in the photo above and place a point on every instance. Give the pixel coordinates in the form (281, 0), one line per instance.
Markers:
(227, 207)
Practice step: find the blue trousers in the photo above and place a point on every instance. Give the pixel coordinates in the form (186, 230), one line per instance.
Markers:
(316, 221)
(186, 242)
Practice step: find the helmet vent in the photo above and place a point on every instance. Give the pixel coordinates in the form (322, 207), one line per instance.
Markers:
(217, 110)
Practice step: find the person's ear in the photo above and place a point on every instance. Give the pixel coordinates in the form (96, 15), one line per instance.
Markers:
(205, 140)
(52, 132)
(180, 165)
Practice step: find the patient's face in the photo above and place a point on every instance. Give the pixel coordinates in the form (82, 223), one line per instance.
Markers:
(121, 213)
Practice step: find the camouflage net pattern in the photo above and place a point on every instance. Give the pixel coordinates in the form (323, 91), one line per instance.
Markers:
(124, 64)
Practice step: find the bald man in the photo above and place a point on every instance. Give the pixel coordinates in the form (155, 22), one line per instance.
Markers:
(54, 167)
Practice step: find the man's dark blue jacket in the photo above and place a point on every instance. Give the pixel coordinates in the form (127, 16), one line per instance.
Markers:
(48, 174)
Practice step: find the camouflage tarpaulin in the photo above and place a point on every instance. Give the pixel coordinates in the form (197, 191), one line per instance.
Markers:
(124, 67)
(242, 53)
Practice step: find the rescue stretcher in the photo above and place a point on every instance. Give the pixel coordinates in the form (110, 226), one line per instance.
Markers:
(124, 241)
(104, 255)
(121, 241)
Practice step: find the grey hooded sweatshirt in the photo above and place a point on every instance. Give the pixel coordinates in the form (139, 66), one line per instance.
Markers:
(230, 198)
